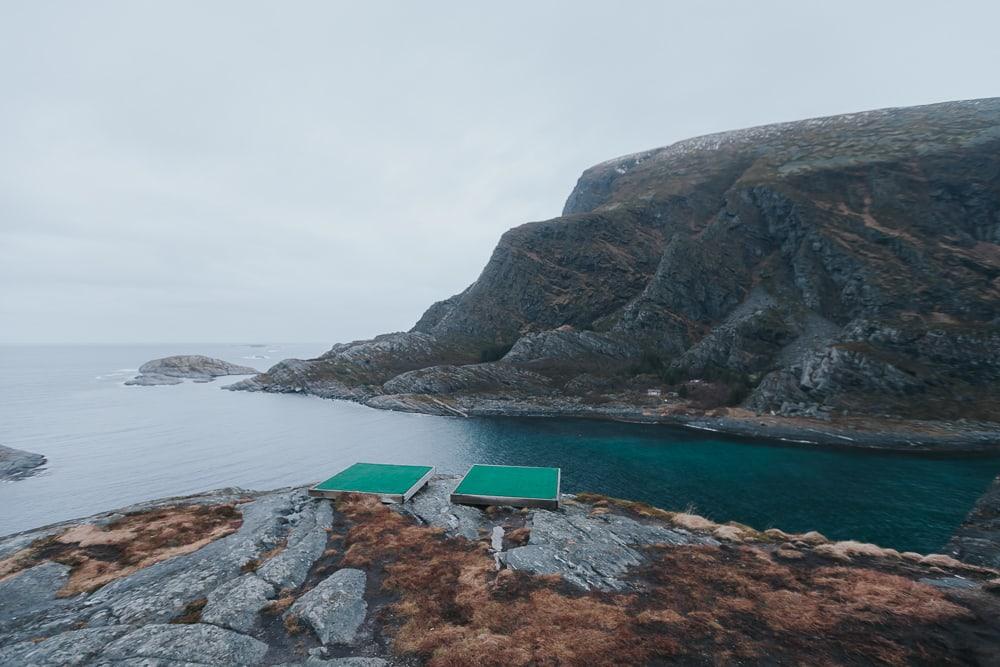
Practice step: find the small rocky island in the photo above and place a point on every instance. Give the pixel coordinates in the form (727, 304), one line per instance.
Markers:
(18, 464)
(176, 369)
(235, 577)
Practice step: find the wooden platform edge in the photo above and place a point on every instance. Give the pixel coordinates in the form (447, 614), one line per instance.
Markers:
(540, 503)
(419, 484)
(388, 498)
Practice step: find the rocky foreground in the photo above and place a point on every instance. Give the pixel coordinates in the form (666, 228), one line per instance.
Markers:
(241, 578)
(829, 280)
(176, 369)
(18, 464)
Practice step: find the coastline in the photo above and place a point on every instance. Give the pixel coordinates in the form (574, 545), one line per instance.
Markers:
(898, 435)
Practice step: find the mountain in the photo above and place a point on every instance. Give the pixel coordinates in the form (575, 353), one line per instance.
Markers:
(840, 271)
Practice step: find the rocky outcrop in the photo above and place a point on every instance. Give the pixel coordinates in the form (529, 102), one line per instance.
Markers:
(591, 566)
(466, 379)
(335, 608)
(356, 371)
(176, 369)
(18, 464)
(977, 540)
(135, 618)
(304, 545)
(833, 268)
(591, 551)
(236, 604)
(266, 594)
(197, 643)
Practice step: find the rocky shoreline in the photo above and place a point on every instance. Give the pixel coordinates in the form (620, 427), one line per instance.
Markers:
(977, 540)
(871, 433)
(250, 578)
(17, 464)
(890, 434)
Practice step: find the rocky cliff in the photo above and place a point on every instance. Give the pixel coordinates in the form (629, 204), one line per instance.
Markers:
(977, 540)
(834, 270)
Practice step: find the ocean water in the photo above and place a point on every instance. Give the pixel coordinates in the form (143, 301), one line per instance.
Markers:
(110, 445)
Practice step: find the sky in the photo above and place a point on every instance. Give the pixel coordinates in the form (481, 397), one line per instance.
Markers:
(324, 171)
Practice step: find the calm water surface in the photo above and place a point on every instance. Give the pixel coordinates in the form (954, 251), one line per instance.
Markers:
(110, 445)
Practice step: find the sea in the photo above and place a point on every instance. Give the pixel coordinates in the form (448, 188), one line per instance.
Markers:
(110, 445)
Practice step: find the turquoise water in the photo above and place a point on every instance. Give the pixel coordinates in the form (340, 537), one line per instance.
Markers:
(903, 501)
(110, 445)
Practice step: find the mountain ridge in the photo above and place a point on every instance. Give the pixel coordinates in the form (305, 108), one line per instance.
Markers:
(830, 270)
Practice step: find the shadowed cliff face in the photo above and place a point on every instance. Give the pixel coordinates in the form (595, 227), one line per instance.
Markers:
(849, 263)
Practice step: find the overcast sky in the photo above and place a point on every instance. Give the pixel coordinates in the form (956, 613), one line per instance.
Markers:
(298, 171)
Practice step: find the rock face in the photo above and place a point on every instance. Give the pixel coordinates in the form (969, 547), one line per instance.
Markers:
(833, 267)
(335, 608)
(197, 643)
(235, 604)
(589, 551)
(977, 540)
(133, 620)
(18, 464)
(176, 369)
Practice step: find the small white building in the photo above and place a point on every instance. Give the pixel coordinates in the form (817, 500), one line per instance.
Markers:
(652, 392)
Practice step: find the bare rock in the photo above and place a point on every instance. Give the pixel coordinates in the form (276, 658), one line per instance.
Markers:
(447, 379)
(174, 370)
(335, 608)
(152, 380)
(433, 506)
(236, 604)
(306, 544)
(591, 551)
(357, 661)
(195, 643)
(31, 589)
(17, 463)
(977, 540)
(77, 647)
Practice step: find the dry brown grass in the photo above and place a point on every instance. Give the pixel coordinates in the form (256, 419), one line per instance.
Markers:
(518, 536)
(846, 550)
(293, 625)
(454, 608)
(254, 564)
(633, 507)
(285, 599)
(836, 613)
(98, 555)
(700, 604)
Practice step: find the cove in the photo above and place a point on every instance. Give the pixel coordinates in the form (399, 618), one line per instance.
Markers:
(109, 445)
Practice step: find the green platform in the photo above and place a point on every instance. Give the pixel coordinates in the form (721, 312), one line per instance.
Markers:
(391, 483)
(516, 486)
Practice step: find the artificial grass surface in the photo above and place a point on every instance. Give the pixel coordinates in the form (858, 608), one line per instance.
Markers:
(510, 482)
(375, 478)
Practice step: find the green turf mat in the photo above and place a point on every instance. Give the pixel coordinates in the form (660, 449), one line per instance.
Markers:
(510, 482)
(375, 478)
